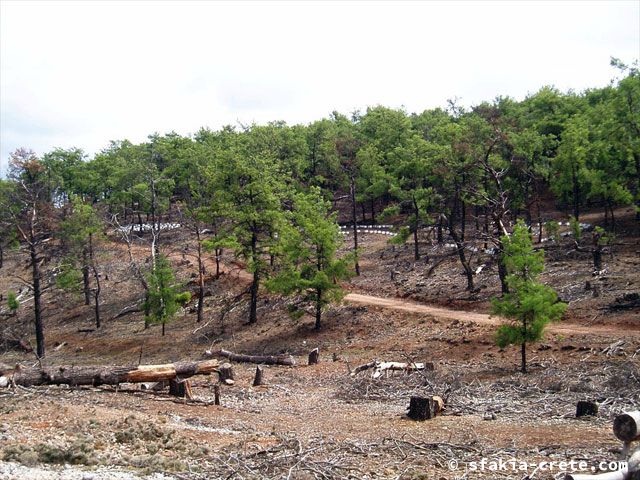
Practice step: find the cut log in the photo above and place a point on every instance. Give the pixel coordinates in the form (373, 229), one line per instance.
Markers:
(180, 388)
(257, 380)
(617, 475)
(584, 409)
(225, 374)
(266, 359)
(627, 426)
(107, 375)
(314, 356)
(424, 408)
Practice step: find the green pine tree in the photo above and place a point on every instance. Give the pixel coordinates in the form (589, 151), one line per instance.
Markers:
(309, 242)
(530, 305)
(162, 302)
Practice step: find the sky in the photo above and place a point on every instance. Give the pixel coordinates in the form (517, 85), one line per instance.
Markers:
(82, 73)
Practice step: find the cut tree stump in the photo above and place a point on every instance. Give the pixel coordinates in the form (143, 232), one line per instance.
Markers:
(314, 356)
(105, 375)
(627, 426)
(424, 408)
(265, 359)
(585, 409)
(225, 374)
(180, 388)
(216, 394)
(257, 380)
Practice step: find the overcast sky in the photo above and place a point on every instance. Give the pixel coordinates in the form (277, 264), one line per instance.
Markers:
(83, 73)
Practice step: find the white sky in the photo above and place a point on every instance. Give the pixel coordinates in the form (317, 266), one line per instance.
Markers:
(83, 73)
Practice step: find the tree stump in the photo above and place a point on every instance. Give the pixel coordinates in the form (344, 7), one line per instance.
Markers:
(584, 409)
(627, 426)
(314, 356)
(225, 374)
(257, 380)
(423, 408)
(216, 394)
(180, 388)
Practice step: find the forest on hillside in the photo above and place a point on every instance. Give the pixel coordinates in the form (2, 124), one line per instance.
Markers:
(274, 194)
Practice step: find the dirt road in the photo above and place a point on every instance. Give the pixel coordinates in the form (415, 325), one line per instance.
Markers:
(479, 318)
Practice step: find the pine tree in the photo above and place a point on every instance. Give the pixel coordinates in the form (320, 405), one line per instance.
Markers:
(309, 242)
(530, 305)
(162, 302)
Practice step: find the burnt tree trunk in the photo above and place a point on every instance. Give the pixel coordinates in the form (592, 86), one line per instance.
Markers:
(37, 299)
(85, 276)
(314, 356)
(422, 408)
(258, 380)
(180, 388)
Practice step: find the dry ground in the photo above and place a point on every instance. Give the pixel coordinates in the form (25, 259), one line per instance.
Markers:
(319, 421)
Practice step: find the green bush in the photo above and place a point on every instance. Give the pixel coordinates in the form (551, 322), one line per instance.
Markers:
(12, 301)
(183, 298)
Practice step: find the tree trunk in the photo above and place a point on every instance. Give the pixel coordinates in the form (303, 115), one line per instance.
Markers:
(200, 275)
(463, 219)
(37, 298)
(597, 258)
(373, 213)
(355, 224)
(266, 359)
(257, 380)
(576, 195)
(318, 308)
(218, 255)
(107, 375)
(225, 374)
(523, 355)
(85, 276)
(180, 388)
(461, 255)
(96, 279)
(314, 356)
(502, 274)
(1, 256)
(626, 426)
(255, 284)
(416, 213)
(423, 408)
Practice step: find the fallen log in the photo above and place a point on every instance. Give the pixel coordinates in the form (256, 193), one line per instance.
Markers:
(265, 359)
(381, 367)
(105, 375)
(627, 426)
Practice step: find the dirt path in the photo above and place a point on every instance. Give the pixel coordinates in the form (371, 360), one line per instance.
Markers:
(479, 318)
(239, 272)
